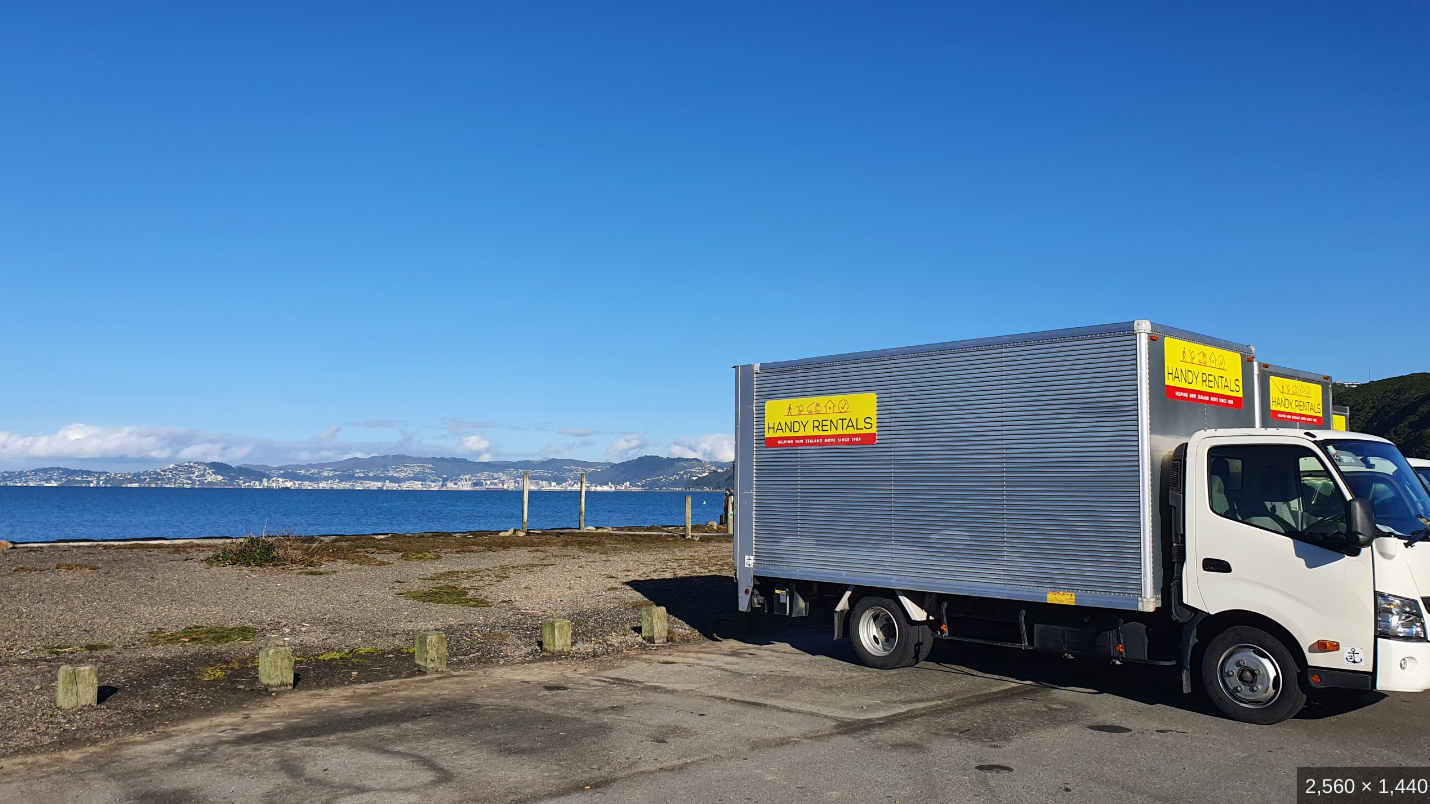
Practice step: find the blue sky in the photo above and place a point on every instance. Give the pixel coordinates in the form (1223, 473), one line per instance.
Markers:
(274, 232)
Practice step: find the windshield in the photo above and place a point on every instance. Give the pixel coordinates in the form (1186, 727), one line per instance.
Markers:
(1379, 473)
(1424, 475)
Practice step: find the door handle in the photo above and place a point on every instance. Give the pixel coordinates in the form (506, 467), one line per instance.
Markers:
(1216, 565)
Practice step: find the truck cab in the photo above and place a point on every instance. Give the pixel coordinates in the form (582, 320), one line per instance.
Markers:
(1305, 554)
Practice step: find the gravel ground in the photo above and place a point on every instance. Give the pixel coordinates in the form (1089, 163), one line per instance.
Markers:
(345, 617)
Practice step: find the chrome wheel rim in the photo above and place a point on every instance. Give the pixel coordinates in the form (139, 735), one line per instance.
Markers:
(1249, 676)
(878, 631)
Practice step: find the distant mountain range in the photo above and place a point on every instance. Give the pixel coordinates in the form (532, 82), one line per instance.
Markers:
(397, 472)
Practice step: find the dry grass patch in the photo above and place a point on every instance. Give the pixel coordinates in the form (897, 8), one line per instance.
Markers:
(217, 672)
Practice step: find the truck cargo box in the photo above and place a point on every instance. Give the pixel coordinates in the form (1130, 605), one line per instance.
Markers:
(1027, 467)
(1292, 398)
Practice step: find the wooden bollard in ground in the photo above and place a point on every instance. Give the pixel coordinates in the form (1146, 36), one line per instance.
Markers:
(275, 668)
(655, 624)
(77, 686)
(525, 499)
(581, 521)
(687, 516)
(556, 636)
(431, 651)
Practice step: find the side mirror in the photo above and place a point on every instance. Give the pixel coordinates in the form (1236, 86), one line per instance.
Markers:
(1360, 522)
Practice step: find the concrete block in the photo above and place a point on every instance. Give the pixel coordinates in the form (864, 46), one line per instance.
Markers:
(275, 668)
(77, 686)
(431, 652)
(655, 624)
(556, 636)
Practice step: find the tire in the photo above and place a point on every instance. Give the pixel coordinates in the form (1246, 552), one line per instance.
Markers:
(884, 638)
(1251, 676)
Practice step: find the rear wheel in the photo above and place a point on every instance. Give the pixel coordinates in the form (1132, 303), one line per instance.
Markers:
(884, 637)
(1251, 676)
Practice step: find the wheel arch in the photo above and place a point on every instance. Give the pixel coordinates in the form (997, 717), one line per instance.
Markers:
(917, 606)
(1214, 624)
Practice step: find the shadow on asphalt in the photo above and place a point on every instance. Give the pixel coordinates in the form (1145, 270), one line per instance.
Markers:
(707, 604)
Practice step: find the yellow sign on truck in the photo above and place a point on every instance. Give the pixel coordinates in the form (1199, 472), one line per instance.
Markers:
(1297, 401)
(822, 421)
(1204, 374)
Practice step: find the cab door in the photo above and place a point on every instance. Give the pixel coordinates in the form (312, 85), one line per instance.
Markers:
(1265, 534)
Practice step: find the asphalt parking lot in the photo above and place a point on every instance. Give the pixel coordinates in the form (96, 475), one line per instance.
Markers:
(778, 716)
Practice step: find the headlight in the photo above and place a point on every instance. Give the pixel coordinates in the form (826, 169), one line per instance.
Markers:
(1398, 617)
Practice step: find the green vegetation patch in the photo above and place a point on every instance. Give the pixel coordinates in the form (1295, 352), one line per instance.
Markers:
(203, 635)
(487, 574)
(266, 551)
(449, 594)
(420, 556)
(76, 567)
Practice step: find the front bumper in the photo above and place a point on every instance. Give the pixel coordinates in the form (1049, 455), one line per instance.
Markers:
(1402, 666)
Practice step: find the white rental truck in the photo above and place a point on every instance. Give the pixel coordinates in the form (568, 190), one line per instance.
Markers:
(1105, 491)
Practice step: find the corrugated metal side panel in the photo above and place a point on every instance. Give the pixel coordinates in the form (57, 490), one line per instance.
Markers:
(1014, 467)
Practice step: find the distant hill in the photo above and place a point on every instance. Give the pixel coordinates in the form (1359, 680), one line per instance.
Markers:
(391, 472)
(718, 480)
(1397, 408)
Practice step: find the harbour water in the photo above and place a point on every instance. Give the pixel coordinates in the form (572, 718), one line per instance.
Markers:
(43, 514)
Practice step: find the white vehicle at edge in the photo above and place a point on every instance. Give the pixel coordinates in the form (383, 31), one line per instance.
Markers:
(1421, 467)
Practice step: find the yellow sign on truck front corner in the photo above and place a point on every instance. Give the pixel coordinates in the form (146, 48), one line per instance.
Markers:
(1202, 374)
(1297, 401)
(822, 421)
(1338, 422)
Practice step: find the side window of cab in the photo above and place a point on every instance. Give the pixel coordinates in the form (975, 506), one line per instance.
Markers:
(1285, 490)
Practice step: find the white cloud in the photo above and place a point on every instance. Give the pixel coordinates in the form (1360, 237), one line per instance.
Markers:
(557, 449)
(130, 446)
(460, 427)
(476, 446)
(706, 448)
(578, 432)
(626, 443)
(83, 441)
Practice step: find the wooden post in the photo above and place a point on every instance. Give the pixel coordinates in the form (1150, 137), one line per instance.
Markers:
(275, 668)
(78, 686)
(525, 498)
(655, 624)
(431, 651)
(729, 514)
(556, 636)
(582, 526)
(687, 516)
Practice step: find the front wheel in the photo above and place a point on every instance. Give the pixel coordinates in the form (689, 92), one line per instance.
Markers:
(884, 637)
(1251, 676)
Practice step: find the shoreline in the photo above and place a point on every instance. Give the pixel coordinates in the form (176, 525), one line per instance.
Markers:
(632, 530)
